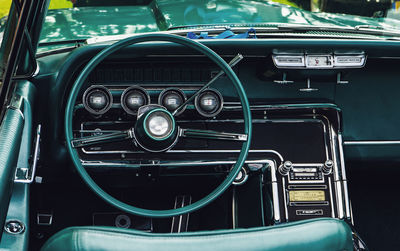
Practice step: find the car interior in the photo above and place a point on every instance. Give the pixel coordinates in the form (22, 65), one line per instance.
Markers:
(161, 141)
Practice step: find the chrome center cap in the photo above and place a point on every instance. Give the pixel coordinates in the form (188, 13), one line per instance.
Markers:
(155, 129)
(159, 124)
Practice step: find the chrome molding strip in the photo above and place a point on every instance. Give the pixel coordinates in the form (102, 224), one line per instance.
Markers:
(171, 163)
(27, 175)
(234, 208)
(331, 196)
(344, 178)
(285, 202)
(189, 151)
(370, 142)
(337, 175)
(237, 105)
(275, 193)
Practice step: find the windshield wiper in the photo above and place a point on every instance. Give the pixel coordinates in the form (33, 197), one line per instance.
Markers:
(60, 46)
(77, 42)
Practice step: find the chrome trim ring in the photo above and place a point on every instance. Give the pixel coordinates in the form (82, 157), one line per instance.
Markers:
(177, 91)
(89, 91)
(214, 113)
(126, 92)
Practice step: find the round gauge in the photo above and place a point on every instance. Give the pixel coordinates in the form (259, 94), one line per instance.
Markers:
(97, 99)
(133, 98)
(209, 103)
(172, 98)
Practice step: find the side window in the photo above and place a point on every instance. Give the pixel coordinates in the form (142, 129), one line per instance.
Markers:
(4, 10)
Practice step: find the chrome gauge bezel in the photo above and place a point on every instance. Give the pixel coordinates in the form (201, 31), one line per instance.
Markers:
(129, 89)
(176, 90)
(205, 114)
(86, 95)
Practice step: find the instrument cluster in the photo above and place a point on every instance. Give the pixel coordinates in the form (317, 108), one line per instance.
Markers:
(98, 99)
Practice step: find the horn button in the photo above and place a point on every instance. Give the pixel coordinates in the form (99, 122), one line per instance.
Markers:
(159, 125)
(155, 129)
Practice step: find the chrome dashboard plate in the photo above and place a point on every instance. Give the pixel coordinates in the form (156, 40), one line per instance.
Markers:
(319, 61)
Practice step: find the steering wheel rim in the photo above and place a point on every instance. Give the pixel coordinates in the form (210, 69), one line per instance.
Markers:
(162, 38)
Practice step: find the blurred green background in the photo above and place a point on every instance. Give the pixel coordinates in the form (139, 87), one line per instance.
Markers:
(54, 4)
(58, 4)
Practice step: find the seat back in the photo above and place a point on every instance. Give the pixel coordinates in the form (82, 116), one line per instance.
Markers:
(309, 235)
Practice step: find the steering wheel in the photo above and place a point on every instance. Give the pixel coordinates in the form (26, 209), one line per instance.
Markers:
(148, 137)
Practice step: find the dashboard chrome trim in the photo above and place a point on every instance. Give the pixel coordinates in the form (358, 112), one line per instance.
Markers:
(275, 192)
(332, 60)
(344, 179)
(370, 142)
(169, 163)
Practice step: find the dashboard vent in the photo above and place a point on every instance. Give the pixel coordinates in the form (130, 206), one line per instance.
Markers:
(151, 72)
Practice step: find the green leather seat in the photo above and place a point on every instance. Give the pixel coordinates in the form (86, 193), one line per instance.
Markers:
(318, 234)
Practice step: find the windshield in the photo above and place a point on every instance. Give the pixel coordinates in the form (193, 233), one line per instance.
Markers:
(71, 20)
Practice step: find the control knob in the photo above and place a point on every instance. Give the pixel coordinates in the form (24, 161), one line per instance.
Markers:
(328, 166)
(285, 168)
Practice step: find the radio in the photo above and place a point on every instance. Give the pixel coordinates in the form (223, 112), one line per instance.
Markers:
(305, 190)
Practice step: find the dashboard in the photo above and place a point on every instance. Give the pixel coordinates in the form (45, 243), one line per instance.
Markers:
(144, 71)
(308, 121)
(315, 104)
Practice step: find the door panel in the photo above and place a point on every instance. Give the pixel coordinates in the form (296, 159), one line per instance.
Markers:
(10, 140)
(15, 128)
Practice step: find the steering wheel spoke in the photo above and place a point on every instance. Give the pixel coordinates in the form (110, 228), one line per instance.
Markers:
(101, 139)
(208, 134)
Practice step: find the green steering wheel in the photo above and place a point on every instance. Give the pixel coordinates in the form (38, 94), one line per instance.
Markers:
(151, 38)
